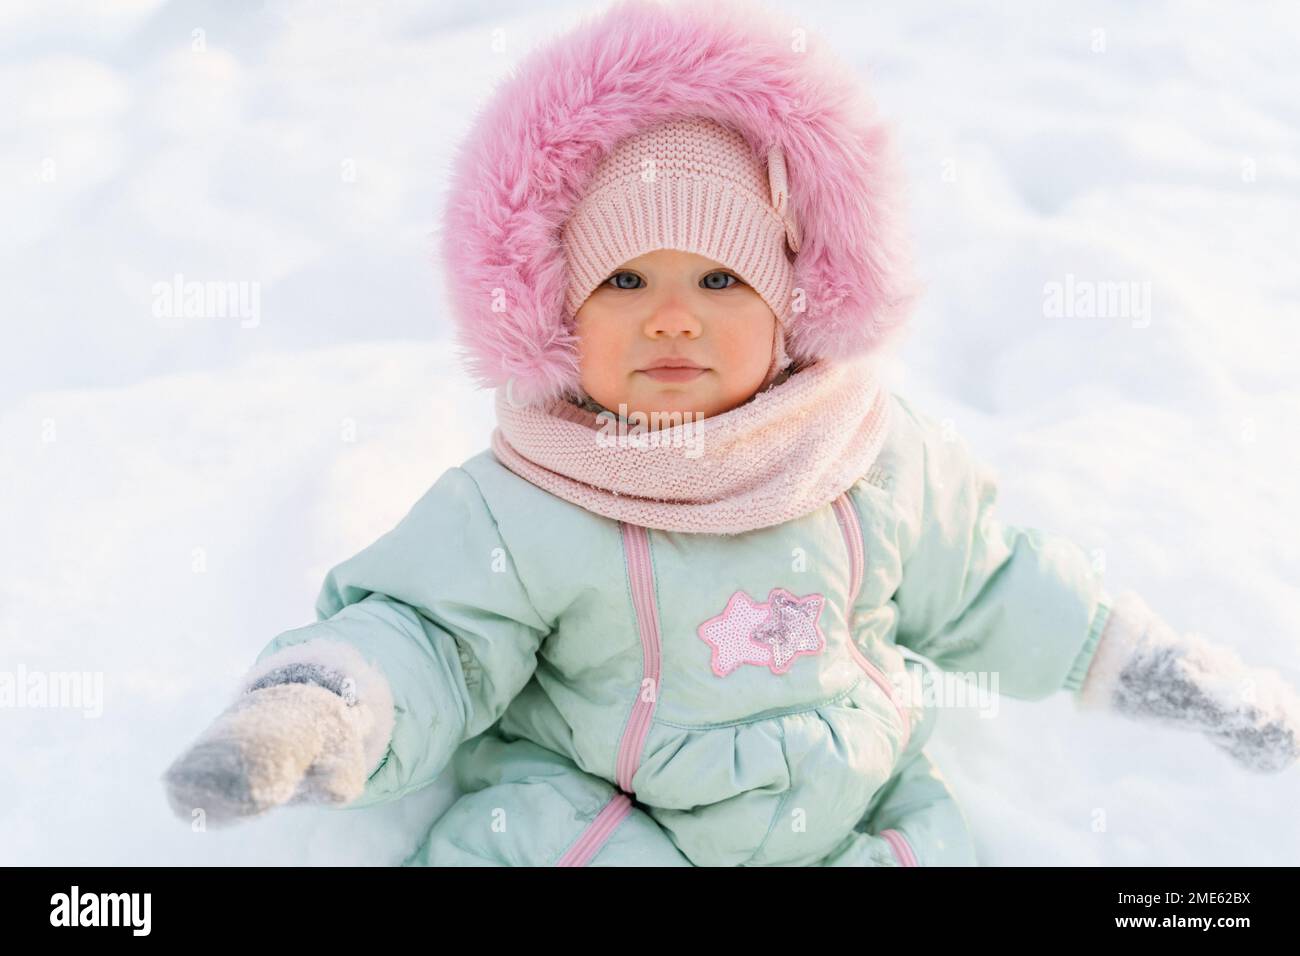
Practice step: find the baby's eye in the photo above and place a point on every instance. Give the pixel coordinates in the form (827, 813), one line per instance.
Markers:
(617, 278)
(710, 281)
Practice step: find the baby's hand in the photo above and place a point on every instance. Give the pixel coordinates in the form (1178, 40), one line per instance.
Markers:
(284, 743)
(1145, 669)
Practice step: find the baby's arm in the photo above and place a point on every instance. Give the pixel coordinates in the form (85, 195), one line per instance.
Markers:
(980, 595)
(422, 640)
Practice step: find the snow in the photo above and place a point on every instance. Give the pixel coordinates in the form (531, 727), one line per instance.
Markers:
(175, 489)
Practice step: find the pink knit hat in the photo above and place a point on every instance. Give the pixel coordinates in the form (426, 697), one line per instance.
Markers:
(695, 185)
(689, 184)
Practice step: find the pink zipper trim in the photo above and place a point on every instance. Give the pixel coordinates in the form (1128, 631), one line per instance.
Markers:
(636, 549)
(851, 527)
(597, 832)
(847, 516)
(902, 849)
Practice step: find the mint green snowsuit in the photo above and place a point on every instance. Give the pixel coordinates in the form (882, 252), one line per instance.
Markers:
(583, 680)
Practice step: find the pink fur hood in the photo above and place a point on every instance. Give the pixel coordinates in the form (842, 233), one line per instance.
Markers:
(524, 165)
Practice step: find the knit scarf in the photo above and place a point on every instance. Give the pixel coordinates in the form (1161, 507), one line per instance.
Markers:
(789, 450)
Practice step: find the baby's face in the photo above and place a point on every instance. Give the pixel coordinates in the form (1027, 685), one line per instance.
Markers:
(670, 304)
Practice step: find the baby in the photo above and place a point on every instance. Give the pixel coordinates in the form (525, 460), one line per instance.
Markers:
(682, 610)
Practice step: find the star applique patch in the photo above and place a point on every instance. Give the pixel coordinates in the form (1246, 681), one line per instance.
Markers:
(770, 634)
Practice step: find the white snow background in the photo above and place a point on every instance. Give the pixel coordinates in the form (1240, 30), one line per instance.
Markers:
(172, 491)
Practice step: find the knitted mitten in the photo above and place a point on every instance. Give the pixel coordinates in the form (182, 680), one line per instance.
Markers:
(1144, 669)
(298, 733)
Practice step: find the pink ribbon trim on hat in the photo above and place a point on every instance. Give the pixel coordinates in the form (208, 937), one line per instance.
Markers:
(779, 180)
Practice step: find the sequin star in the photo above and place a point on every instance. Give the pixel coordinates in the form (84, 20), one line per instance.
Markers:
(728, 634)
(769, 634)
(790, 628)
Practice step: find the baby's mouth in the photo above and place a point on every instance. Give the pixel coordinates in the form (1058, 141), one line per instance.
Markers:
(674, 373)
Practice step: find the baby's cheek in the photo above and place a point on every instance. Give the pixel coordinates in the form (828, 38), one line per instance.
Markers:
(748, 346)
(602, 363)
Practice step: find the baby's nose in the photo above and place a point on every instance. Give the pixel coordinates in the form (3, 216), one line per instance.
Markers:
(672, 320)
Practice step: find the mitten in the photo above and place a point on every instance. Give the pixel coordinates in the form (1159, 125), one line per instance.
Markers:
(299, 732)
(1144, 669)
